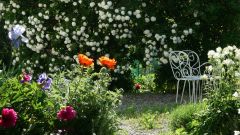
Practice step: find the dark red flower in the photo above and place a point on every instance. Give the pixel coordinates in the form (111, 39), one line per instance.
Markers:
(137, 86)
(66, 113)
(9, 118)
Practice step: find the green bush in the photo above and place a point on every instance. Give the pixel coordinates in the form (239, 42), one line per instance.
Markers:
(183, 116)
(221, 115)
(84, 90)
(87, 92)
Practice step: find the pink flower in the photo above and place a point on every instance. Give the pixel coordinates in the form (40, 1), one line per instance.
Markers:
(66, 113)
(9, 118)
(27, 78)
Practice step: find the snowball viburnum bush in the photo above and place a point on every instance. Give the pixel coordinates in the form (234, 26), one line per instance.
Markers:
(58, 30)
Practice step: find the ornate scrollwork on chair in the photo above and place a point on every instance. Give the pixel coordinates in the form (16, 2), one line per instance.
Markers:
(186, 67)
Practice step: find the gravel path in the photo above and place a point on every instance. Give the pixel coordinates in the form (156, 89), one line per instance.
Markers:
(148, 99)
(131, 126)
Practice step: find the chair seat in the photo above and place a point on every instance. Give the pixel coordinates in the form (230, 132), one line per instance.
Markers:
(194, 78)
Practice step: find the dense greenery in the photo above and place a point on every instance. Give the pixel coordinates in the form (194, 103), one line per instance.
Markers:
(84, 90)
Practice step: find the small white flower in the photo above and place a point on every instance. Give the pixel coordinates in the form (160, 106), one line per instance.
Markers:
(73, 24)
(209, 68)
(195, 13)
(88, 53)
(204, 77)
(190, 31)
(138, 16)
(153, 19)
(147, 20)
(185, 32)
(109, 3)
(74, 3)
(66, 19)
(211, 53)
(174, 25)
(236, 132)
(197, 23)
(129, 12)
(236, 94)
(173, 31)
(219, 49)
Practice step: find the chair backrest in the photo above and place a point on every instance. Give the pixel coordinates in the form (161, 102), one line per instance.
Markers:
(184, 63)
(194, 62)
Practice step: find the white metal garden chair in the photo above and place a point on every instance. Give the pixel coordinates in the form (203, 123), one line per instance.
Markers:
(186, 67)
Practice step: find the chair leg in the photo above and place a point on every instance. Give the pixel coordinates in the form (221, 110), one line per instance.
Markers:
(194, 92)
(177, 90)
(199, 90)
(183, 91)
(189, 90)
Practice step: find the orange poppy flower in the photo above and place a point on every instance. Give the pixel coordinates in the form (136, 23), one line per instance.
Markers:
(85, 61)
(107, 62)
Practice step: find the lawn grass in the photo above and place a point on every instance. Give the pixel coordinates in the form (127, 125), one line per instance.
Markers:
(151, 118)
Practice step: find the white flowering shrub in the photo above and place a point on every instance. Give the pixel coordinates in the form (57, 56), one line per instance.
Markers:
(222, 114)
(60, 29)
(225, 63)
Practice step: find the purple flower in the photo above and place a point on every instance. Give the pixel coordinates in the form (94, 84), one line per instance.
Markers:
(44, 81)
(15, 35)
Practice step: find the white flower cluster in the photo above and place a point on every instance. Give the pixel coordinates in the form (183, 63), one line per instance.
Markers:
(179, 39)
(122, 69)
(226, 60)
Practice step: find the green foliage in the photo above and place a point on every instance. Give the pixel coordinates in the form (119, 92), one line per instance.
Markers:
(181, 131)
(182, 116)
(221, 115)
(164, 79)
(122, 81)
(148, 120)
(7, 73)
(87, 92)
(29, 102)
(147, 82)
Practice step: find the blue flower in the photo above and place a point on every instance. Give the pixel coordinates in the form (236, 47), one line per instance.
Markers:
(16, 37)
(44, 81)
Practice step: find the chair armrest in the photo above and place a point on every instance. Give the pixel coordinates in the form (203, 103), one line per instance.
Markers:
(205, 70)
(202, 69)
(205, 64)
